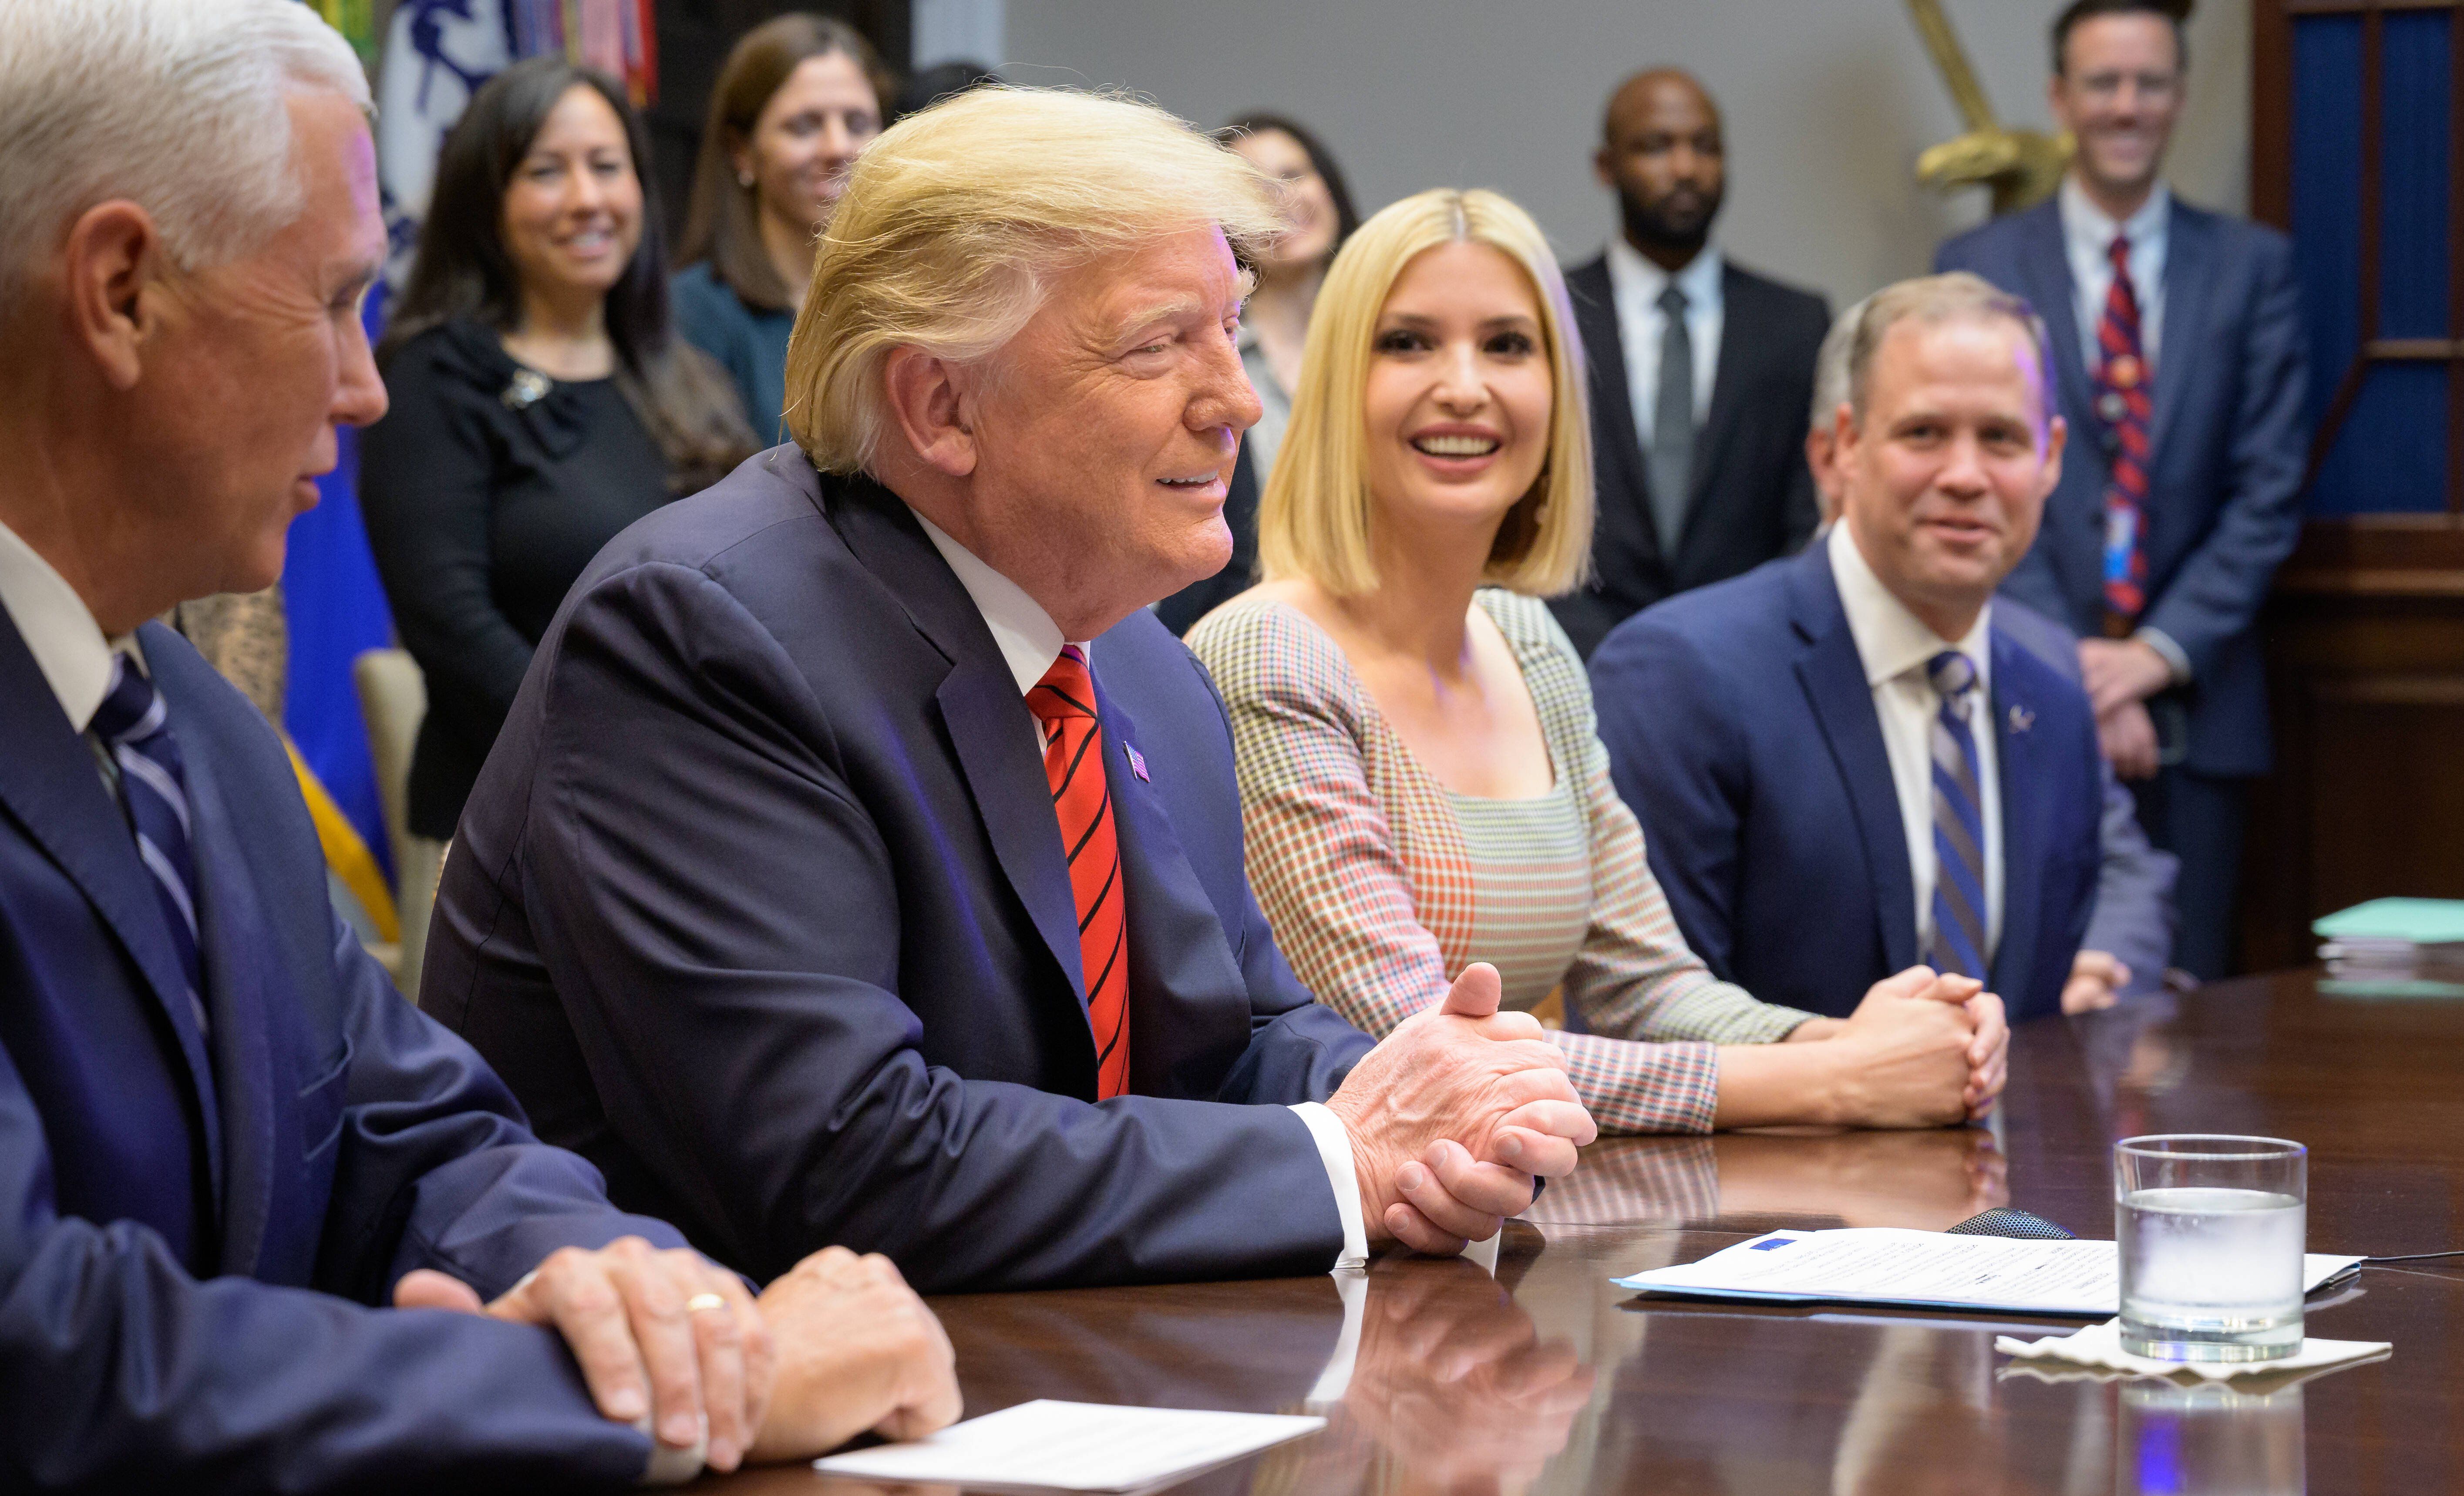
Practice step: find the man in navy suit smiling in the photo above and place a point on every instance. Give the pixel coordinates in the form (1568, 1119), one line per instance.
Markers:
(862, 860)
(1841, 766)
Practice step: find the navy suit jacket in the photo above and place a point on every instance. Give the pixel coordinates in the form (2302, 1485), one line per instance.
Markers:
(761, 906)
(1741, 729)
(2228, 441)
(191, 1237)
(2134, 917)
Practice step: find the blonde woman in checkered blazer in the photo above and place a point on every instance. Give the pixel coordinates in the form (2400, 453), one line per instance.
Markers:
(1421, 781)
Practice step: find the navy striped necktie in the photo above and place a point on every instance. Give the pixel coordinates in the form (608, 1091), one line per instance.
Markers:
(1959, 940)
(135, 729)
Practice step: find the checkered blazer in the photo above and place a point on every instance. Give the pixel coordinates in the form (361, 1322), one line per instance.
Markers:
(1359, 862)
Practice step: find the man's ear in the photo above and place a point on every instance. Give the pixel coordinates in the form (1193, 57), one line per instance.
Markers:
(930, 409)
(2058, 436)
(1600, 160)
(111, 289)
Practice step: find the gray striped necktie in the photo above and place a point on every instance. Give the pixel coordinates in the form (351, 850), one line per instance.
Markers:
(1672, 425)
(134, 726)
(1958, 945)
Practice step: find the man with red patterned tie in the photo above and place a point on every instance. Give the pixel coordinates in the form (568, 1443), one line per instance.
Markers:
(2180, 364)
(862, 863)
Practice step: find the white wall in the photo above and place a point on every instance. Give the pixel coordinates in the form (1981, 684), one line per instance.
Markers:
(1828, 101)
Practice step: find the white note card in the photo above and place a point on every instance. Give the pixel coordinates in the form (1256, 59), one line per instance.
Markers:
(1878, 1265)
(1073, 1446)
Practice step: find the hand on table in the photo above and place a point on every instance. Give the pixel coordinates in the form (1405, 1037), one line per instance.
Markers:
(1921, 1050)
(2120, 672)
(665, 1339)
(858, 1352)
(2097, 979)
(1454, 1115)
(2127, 738)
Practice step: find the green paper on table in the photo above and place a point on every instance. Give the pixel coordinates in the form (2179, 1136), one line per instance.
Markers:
(2423, 921)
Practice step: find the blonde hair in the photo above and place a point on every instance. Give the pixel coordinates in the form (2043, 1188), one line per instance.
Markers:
(1313, 518)
(957, 220)
(1931, 300)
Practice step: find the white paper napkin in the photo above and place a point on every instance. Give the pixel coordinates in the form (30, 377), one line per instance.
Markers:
(2098, 1349)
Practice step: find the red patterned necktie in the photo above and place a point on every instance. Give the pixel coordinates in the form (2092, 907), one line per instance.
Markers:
(1064, 701)
(2124, 404)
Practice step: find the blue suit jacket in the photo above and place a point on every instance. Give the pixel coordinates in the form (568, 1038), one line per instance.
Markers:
(190, 1236)
(1741, 729)
(761, 906)
(2134, 917)
(2228, 441)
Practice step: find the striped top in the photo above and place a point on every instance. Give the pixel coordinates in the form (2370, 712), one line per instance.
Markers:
(1381, 884)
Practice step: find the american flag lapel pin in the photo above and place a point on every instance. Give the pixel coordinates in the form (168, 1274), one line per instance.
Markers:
(1137, 762)
(2022, 719)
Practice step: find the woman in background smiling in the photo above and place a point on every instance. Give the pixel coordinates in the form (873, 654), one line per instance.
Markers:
(797, 100)
(1421, 779)
(538, 404)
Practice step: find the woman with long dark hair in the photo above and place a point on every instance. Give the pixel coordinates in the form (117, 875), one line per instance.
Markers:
(540, 403)
(797, 100)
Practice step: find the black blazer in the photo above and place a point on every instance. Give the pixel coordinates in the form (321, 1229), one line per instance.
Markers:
(760, 906)
(1753, 498)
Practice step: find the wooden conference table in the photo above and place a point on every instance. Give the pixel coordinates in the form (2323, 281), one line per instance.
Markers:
(1547, 1377)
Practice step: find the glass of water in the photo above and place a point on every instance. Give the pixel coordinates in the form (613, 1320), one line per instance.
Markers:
(2211, 1231)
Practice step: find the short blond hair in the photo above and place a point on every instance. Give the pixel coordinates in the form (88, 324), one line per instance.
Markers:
(1313, 518)
(1933, 299)
(956, 222)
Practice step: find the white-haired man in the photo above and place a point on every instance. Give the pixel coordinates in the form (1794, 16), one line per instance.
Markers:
(861, 861)
(232, 1162)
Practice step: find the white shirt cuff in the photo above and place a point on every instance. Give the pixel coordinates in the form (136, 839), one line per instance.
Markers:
(2175, 656)
(1335, 1151)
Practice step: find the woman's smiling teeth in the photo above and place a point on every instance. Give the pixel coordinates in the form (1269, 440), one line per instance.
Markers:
(1197, 482)
(1455, 446)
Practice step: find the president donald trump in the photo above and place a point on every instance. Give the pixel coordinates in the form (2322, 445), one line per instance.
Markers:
(861, 861)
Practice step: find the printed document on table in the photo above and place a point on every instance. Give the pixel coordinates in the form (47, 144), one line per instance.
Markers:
(1073, 1446)
(1875, 1265)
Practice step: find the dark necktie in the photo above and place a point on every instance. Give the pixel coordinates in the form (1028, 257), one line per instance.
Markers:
(135, 729)
(1672, 425)
(2124, 404)
(1064, 701)
(1958, 945)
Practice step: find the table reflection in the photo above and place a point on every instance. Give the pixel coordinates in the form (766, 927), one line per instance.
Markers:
(2194, 1441)
(1925, 1180)
(1442, 1382)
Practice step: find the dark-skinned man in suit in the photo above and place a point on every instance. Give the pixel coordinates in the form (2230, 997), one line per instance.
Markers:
(1702, 477)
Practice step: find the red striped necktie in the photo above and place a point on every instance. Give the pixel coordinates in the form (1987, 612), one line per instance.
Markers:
(2124, 404)
(1064, 701)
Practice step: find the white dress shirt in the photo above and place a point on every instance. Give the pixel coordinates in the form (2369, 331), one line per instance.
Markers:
(2086, 235)
(1894, 644)
(59, 630)
(1635, 284)
(1030, 641)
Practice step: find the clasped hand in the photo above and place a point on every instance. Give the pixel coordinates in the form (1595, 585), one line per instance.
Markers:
(1455, 1115)
(666, 1340)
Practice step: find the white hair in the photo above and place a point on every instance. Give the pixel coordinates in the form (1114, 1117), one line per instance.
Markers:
(176, 105)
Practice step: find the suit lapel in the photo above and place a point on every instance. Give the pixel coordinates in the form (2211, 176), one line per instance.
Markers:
(991, 730)
(1613, 399)
(1832, 675)
(2189, 262)
(2019, 772)
(2045, 276)
(238, 957)
(1729, 379)
(1183, 1035)
(48, 781)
